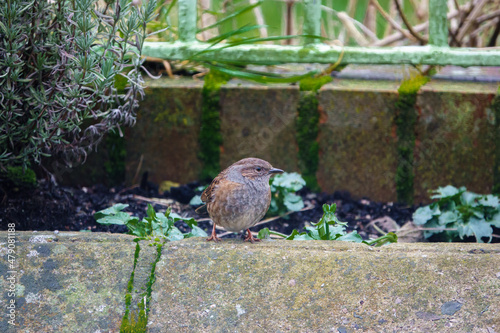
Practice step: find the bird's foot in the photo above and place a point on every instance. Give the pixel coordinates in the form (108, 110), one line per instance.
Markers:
(250, 238)
(213, 236)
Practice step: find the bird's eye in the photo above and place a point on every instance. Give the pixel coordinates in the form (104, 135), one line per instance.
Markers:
(259, 169)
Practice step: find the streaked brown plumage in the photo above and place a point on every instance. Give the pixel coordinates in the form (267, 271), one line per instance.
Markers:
(239, 196)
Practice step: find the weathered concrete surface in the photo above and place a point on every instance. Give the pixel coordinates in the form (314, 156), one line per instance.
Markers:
(69, 282)
(164, 141)
(292, 286)
(259, 121)
(358, 146)
(76, 282)
(455, 137)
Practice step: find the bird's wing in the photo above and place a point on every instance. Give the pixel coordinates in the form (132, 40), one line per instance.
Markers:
(208, 194)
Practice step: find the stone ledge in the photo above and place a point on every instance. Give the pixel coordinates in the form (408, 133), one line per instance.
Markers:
(279, 286)
(77, 283)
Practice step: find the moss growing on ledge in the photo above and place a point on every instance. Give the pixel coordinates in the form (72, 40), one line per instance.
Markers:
(115, 164)
(406, 119)
(306, 135)
(495, 106)
(210, 138)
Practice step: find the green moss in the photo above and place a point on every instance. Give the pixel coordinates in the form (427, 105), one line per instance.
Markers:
(137, 320)
(406, 120)
(306, 127)
(314, 83)
(115, 164)
(495, 106)
(210, 137)
(20, 177)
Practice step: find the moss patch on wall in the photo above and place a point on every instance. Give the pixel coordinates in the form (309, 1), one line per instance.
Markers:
(306, 136)
(210, 137)
(406, 118)
(495, 106)
(307, 129)
(115, 164)
(19, 176)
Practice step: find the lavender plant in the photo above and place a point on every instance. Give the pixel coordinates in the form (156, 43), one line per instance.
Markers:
(70, 71)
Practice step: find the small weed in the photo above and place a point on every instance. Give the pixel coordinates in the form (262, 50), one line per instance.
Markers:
(330, 228)
(459, 213)
(154, 225)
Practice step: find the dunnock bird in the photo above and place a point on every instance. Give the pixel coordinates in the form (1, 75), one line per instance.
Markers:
(239, 196)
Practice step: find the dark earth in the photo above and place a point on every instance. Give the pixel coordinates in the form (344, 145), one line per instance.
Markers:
(53, 207)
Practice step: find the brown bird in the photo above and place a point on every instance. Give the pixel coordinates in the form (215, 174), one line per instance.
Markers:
(239, 196)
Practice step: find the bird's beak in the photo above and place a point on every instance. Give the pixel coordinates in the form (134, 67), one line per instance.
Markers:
(274, 170)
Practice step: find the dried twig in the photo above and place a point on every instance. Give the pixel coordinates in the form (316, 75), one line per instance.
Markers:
(471, 18)
(391, 21)
(360, 25)
(422, 39)
(488, 16)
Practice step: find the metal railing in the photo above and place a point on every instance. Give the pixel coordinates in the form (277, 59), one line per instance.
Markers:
(437, 52)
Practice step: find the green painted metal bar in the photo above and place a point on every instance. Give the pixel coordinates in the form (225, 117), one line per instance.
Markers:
(312, 20)
(187, 20)
(321, 53)
(438, 23)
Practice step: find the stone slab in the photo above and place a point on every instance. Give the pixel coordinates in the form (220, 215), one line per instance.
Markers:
(358, 146)
(164, 141)
(322, 286)
(67, 282)
(259, 121)
(455, 137)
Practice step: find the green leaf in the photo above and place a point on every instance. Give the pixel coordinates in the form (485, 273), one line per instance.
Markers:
(424, 214)
(151, 212)
(241, 73)
(443, 192)
(137, 228)
(110, 211)
(447, 217)
(196, 232)
(490, 200)
(351, 237)
(120, 218)
(469, 199)
(293, 202)
(475, 227)
(231, 16)
(295, 235)
(387, 238)
(291, 181)
(196, 201)
(264, 233)
(175, 234)
(495, 220)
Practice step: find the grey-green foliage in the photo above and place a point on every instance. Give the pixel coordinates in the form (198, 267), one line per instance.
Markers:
(154, 225)
(59, 61)
(330, 228)
(283, 197)
(461, 213)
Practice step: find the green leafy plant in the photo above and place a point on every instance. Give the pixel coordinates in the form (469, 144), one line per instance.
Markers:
(70, 72)
(458, 213)
(283, 197)
(330, 228)
(154, 225)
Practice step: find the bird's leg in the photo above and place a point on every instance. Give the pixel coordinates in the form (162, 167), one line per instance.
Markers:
(213, 236)
(250, 238)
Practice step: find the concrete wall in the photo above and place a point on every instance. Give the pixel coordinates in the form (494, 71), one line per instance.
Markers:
(455, 133)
